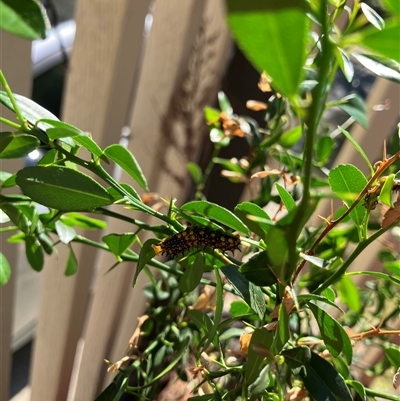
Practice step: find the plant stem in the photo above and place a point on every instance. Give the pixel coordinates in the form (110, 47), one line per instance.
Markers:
(376, 393)
(10, 123)
(342, 269)
(7, 88)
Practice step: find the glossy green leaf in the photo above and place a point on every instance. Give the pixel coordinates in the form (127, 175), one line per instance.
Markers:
(277, 250)
(386, 192)
(3, 217)
(291, 137)
(304, 298)
(195, 172)
(30, 110)
(358, 148)
(109, 393)
(349, 293)
(215, 212)
(354, 106)
(384, 42)
(383, 67)
(347, 181)
(24, 18)
(17, 217)
(246, 210)
(5, 269)
(146, 254)
(258, 270)
(372, 16)
(296, 358)
(89, 144)
(72, 264)
(82, 221)
(211, 115)
(224, 104)
(65, 233)
(261, 337)
(249, 292)
(13, 146)
(383, 276)
(392, 266)
(62, 188)
(335, 337)
(34, 253)
(201, 320)
(239, 308)
(345, 64)
(192, 275)
(392, 354)
(393, 6)
(358, 387)
(273, 35)
(48, 158)
(9, 182)
(128, 188)
(287, 199)
(119, 243)
(261, 383)
(323, 382)
(282, 333)
(323, 149)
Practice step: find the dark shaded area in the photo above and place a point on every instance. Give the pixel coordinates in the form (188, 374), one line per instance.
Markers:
(21, 361)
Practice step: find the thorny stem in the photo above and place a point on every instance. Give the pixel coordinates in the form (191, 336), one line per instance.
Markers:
(382, 167)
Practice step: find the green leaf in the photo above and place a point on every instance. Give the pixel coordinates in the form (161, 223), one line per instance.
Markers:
(386, 192)
(347, 181)
(24, 18)
(393, 266)
(192, 275)
(393, 6)
(17, 145)
(34, 253)
(384, 42)
(354, 106)
(62, 188)
(383, 67)
(372, 16)
(5, 269)
(238, 309)
(323, 382)
(333, 334)
(224, 104)
(296, 358)
(273, 35)
(48, 158)
(282, 333)
(345, 64)
(195, 172)
(287, 199)
(119, 243)
(215, 212)
(291, 137)
(211, 115)
(393, 355)
(323, 149)
(17, 217)
(146, 254)
(128, 188)
(202, 321)
(30, 110)
(246, 210)
(65, 233)
(383, 276)
(261, 337)
(125, 159)
(358, 148)
(349, 293)
(250, 293)
(82, 221)
(304, 298)
(258, 270)
(72, 264)
(89, 144)
(109, 393)
(359, 388)
(277, 251)
(261, 383)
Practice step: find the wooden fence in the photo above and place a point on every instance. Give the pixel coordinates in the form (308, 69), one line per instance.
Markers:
(149, 66)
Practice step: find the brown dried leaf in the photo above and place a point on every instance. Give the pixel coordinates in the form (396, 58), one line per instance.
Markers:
(263, 174)
(244, 341)
(255, 105)
(264, 83)
(392, 215)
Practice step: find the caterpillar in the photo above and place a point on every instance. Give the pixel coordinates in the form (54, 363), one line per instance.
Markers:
(197, 237)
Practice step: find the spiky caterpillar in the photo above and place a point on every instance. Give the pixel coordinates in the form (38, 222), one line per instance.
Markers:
(197, 237)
